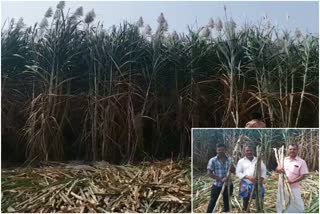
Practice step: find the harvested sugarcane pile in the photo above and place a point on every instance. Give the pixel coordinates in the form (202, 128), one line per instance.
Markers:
(309, 190)
(163, 186)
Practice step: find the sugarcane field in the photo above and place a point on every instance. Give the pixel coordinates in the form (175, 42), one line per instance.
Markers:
(271, 141)
(109, 106)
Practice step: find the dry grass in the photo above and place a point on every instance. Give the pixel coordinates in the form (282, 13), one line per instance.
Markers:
(202, 184)
(101, 187)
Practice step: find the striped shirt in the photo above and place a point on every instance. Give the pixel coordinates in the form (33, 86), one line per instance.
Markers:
(219, 168)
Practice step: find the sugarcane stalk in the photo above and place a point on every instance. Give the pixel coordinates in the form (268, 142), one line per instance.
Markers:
(257, 173)
(277, 154)
(279, 158)
(222, 190)
(259, 203)
(283, 179)
(229, 199)
(288, 187)
(251, 195)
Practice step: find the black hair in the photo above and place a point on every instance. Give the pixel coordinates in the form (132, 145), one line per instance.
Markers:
(256, 115)
(221, 145)
(294, 144)
(252, 147)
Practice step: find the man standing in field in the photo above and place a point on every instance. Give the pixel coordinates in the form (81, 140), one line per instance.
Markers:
(218, 167)
(246, 172)
(296, 170)
(255, 121)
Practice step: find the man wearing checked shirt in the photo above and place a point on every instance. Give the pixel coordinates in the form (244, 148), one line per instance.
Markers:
(217, 169)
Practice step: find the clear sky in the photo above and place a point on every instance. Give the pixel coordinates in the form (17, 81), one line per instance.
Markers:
(179, 14)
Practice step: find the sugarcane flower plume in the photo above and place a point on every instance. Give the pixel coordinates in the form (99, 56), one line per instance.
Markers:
(298, 33)
(204, 32)
(219, 25)
(174, 35)
(161, 19)
(147, 30)
(268, 25)
(90, 17)
(60, 5)
(44, 23)
(76, 15)
(79, 11)
(20, 23)
(49, 13)
(140, 22)
(12, 21)
(163, 24)
(231, 24)
(211, 23)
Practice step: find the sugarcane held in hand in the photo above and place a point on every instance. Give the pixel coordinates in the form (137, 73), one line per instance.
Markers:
(295, 168)
(246, 172)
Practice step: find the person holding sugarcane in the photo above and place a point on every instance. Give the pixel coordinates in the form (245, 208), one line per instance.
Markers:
(245, 170)
(218, 167)
(295, 168)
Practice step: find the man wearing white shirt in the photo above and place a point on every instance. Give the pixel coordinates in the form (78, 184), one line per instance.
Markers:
(245, 171)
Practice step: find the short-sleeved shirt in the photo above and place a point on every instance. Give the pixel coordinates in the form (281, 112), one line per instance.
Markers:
(295, 168)
(246, 167)
(219, 168)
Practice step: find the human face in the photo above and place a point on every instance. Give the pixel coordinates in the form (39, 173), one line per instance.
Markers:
(221, 151)
(293, 151)
(248, 152)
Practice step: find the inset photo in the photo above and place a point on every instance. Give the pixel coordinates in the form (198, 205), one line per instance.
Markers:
(255, 170)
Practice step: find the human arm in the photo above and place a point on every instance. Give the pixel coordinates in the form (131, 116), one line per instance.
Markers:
(240, 172)
(211, 170)
(279, 169)
(300, 178)
(263, 174)
(213, 176)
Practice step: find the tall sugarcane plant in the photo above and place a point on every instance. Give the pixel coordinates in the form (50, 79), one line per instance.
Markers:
(55, 53)
(132, 87)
